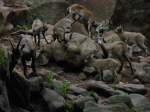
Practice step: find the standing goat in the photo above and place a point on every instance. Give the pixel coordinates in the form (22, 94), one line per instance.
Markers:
(86, 16)
(26, 51)
(132, 38)
(116, 49)
(105, 64)
(39, 28)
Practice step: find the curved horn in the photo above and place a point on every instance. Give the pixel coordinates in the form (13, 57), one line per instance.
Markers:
(18, 43)
(11, 44)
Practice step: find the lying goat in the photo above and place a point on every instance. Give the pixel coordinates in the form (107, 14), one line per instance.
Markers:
(132, 38)
(39, 28)
(26, 51)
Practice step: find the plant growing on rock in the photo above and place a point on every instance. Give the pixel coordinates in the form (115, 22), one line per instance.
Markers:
(69, 106)
(50, 77)
(24, 27)
(64, 89)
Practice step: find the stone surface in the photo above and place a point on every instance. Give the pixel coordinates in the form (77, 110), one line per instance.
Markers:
(132, 88)
(54, 100)
(101, 88)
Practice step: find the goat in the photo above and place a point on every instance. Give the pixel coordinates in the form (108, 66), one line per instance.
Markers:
(26, 51)
(132, 38)
(39, 28)
(105, 64)
(86, 16)
(117, 50)
(64, 26)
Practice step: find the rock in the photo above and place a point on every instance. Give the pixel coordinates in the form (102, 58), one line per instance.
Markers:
(77, 90)
(54, 101)
(80, 102)
(82, 76)
(101, 88)
(108, 76)
(138, 99)
(4, 101)
(93, 107)
(74, 55)
(136, 81)
(117, 99)
(141, 104)
(19, 91)
(36, 83)
(18, 109)
(89, 70)
(142, 71)
(133, 16)
(132, 88)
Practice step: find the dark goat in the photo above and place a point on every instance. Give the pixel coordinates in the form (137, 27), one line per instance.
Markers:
(26, 51)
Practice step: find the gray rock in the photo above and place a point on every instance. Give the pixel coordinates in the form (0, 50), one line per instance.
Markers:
(108, 76)
(138, 99)
(4, 101)
(77, 90)
(117, 99)
(81, 100)
(54, 100)
(132, 88)
(141, 103)
(93, 107)
(101, 88)
(89, 70)
(36, 83)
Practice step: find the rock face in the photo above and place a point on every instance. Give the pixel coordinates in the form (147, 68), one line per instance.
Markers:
(133, 14)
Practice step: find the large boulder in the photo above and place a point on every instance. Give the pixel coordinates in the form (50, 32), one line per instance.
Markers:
(141, 103)
(74, 52)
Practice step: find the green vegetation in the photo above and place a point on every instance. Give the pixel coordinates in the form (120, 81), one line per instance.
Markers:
(24, 27)
(69, 106)
(50, 77)
(2, 58)
(65, 87)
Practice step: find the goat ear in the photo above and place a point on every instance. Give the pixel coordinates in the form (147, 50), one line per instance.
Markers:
(11, 44)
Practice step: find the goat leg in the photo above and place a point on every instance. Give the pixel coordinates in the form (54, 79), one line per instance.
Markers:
(24, 65)
(43, 33)
(33, 63)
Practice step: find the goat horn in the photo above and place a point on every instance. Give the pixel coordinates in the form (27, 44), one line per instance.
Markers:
(11, 44)
(18, 43)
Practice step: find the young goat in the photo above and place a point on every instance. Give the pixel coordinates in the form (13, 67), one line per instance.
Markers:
(132, 38)
(39, 28)
(26, 51)
(105, 64)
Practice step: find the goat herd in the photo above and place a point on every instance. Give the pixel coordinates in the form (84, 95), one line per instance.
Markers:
(117, 44)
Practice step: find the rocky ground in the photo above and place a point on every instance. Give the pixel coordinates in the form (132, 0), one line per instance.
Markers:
(63, 87)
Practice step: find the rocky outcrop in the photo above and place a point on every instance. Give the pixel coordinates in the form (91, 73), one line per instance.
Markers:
(133, 15)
